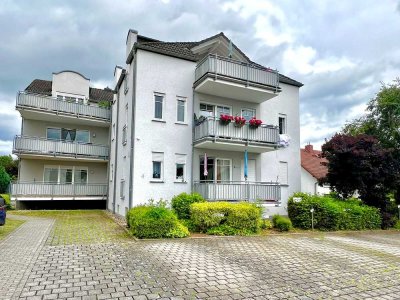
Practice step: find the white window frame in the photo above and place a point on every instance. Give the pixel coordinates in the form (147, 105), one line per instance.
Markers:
(287, 172)
(184, 167)
(59, 167)
(122, 189)
(61, 128)
(161, 179)
(216, 167)
(284, 129)
(178, 98)
(245, 108)
(162, 107)
(215, 108)
(78, 98)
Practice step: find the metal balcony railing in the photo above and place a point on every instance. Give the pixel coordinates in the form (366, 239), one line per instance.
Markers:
(219, 66)
(57, 106)
(238, 191)
(212, 128)
(41, 146)
(38, 189)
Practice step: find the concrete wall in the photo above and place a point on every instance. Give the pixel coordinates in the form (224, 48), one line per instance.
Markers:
(34, 128)
(71, 83)
(32, 169)
(310, 185)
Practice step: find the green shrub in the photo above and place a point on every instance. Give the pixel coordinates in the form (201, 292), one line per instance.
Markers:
(332, 213)
(397, 225)
(149, 221)
(225, 230)
(189, 224)
(243, 217)
(4, 180)
(6, 198)
(181, 204)
(281, 223)
(266, 224)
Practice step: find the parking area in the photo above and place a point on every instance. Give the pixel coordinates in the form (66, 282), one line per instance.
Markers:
(361, 265)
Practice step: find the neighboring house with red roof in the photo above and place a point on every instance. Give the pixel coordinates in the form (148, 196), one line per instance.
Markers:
(312, 169)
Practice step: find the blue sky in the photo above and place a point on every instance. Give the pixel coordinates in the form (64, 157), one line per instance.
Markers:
(340, 50)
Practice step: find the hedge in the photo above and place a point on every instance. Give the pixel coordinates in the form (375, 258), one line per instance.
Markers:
(147, 221)
(6, 198)
(332, 214)
(181, 204)
(224, 218)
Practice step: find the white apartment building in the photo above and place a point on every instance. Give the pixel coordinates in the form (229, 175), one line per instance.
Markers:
(167, 136)
(64, 142)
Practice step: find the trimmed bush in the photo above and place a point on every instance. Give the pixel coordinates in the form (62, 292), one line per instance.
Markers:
(332, 214)
(7, 200)
(147, 221)
(237, 218)
(266, 224)
(281, 223)
(397, 225)
(181, 204)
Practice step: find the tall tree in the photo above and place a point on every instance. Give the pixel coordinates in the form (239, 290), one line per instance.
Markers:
(4, 180)
(10, 165)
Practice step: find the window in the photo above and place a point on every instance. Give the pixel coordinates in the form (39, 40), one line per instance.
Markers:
(71, 98)
(283, 172)
(158, 159)
(80, 176)
(113, 131)
(223, 110)
(111, 172)
(158, 106)
(181, 110)
(282, 124)
(82, 136)
(122, 189)
(180, 167)
(223, 169)
(124, 135)
(126, 86)
(53, 133)
(51, 174)
(206, 110)
(65, 175)
(248, 114)
(210, 169)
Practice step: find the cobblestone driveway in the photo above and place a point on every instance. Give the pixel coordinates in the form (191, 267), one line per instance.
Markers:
(320, 266)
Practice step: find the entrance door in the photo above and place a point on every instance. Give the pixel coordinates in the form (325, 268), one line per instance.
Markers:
(251, 170)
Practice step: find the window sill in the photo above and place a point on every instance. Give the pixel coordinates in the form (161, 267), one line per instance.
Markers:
(156, 181)
(181, 182)
(159, 120)
(181, 123)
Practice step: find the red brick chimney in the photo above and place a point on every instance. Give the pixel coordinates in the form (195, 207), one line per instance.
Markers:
(309, 148)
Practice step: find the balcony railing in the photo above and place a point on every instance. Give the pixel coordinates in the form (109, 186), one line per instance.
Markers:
(40, 146)
(211, 128)
(57, 106)
(238, 191)
(41, 189)
(250, 74)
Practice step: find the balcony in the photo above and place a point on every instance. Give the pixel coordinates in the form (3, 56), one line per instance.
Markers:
(40, 107)
(239, 191)
(211, 134)
(23, 191)
(232, 79)
(33, 147)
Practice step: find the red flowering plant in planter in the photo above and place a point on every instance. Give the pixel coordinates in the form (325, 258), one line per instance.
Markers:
(225, 119)
(255, 123)
(239, 121)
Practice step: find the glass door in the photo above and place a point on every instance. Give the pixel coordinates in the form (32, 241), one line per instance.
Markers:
(66, 175)
(223, 170)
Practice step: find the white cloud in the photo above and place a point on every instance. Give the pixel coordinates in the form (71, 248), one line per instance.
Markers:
(5, 147)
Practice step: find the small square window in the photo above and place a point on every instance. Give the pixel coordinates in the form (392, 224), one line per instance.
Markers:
(180, 172)
(157, 161)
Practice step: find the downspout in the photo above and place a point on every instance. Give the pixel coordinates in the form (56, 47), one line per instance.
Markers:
(133, 117)
(193, 129)
(116, 150)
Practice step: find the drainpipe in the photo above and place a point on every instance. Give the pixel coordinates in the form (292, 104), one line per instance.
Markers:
(132, 116)
(192, 162)
(116, 151)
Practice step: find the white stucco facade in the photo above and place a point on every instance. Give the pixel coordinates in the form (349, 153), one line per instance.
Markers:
(133, 149)
(309, 184)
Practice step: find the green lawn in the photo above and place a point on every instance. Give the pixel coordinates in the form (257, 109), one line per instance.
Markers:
(79, 226)
(10, 226)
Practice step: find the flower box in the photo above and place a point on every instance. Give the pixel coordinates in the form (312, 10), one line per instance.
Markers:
(239, 121)
(254, 123)
(225, 119)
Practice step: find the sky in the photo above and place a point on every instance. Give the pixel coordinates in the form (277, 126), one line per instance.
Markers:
(340, 50)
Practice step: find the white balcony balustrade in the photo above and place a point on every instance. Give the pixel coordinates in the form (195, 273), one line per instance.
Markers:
(49, 104)
(211, 134)
(238, 191)
(57, 148)
(36, 190)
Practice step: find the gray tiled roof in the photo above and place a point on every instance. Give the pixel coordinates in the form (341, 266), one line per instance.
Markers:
(39, 86)
(183, 50)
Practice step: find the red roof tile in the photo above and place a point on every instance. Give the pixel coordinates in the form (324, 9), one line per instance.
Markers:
(311, 162)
